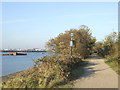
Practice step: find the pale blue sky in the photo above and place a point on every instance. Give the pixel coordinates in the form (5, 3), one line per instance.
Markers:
(31, 25)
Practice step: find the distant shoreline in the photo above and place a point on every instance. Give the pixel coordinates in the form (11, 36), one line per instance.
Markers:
(10, 76)
(22, 51)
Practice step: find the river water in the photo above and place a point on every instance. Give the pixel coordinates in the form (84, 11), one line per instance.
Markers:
(12, 64)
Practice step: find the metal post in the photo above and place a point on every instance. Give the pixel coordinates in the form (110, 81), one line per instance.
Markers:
(71, 44)
(71, 52)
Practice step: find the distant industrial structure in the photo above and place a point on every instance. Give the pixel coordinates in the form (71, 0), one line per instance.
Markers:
(23, 50)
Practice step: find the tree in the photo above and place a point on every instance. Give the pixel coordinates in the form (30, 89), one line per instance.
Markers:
(110, 43)
(109, 46)
(84, 42)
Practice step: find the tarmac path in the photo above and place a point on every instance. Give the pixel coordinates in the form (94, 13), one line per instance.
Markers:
(97, 75)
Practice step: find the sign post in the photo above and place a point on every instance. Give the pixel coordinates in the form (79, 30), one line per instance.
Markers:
(71, 44)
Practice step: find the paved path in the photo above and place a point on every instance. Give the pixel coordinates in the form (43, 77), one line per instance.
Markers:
(97, 75)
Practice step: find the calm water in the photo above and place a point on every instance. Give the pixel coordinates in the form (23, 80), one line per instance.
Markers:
(12, 64)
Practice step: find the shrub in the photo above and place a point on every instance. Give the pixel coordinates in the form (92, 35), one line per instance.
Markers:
(55, 70)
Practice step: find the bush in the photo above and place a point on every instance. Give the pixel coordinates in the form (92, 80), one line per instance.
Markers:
(113, 61)
(55, 70)
(112, 58)
(83, 42)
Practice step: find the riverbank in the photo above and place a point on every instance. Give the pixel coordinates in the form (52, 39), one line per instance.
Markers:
(56, 71)
(11, 76)
(76, 73)
(22, 51)
(12, 64)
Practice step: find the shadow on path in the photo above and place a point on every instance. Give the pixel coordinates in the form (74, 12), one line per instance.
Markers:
(93, 57)
(87, 70)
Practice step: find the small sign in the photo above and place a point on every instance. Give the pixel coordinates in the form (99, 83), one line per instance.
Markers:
(71, 43)
(72, 34)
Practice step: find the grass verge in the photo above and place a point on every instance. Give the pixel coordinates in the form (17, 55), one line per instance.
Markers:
(114, 66)
(113, 62)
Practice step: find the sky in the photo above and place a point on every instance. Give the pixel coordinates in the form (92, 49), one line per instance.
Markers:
(31, 24)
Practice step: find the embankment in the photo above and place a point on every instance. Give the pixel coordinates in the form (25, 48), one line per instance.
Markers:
(55, 71)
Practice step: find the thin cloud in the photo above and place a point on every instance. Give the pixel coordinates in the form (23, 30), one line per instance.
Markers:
(15, 21)
(92, 14)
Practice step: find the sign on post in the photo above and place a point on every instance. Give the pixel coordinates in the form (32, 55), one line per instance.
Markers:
(71, 43)
(72, 40)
